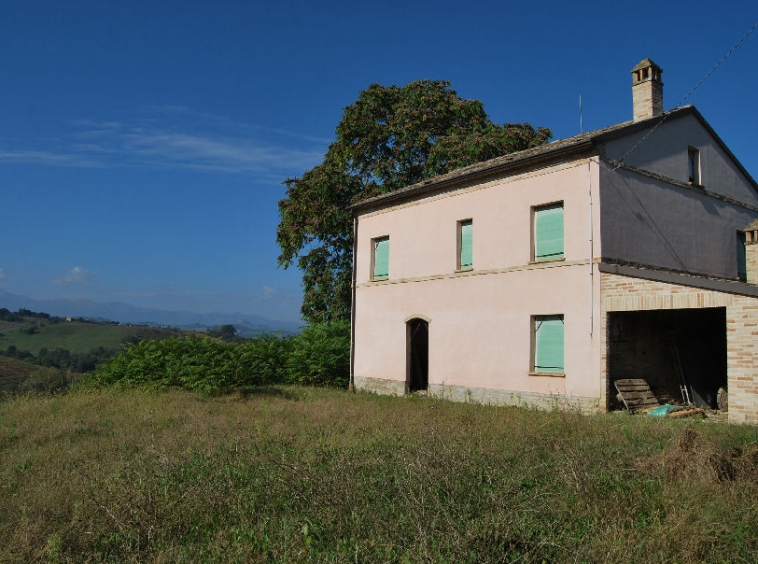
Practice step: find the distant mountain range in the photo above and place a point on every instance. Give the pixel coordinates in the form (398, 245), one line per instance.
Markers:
(247, 325)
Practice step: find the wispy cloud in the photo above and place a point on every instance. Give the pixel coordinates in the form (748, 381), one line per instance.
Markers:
(266, 293)
(175, 137)
(172, 149)
(211, 120)
(76, 275)
(49, 158)
(3, 276)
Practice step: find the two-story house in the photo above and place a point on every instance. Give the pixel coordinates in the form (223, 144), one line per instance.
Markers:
(540, 277)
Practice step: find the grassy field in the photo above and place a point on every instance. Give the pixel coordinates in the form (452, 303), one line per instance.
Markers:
(308, 475)
(76, 336)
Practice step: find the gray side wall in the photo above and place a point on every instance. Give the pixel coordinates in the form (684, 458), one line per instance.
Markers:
(651, 222)
(664, 152)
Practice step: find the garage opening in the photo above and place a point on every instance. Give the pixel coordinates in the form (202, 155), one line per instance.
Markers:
(681, 353)
(417, 334)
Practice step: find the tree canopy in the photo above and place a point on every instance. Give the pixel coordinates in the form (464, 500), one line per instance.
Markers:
(226, 333)
(391, 137)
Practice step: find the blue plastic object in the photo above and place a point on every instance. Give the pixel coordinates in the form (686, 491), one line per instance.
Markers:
(664, 410)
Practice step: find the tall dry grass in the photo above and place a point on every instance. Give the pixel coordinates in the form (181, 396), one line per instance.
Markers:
(307, 475)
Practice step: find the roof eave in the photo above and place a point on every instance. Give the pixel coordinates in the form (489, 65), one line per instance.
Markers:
(583, 143)
(460, 176)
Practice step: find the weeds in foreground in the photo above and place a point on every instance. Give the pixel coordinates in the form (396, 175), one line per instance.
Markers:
(301, 474)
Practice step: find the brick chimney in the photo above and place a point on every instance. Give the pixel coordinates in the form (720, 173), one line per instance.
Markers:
(647, 90)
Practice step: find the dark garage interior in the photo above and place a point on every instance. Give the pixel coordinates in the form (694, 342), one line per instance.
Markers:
(668, 349)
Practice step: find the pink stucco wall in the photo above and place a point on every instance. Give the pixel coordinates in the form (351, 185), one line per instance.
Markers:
(480, 320)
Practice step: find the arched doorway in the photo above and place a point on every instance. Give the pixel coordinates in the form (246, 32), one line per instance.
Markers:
(417, 347)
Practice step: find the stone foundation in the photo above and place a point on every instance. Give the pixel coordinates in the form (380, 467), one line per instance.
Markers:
(490, 396)
(485, 396)
(380, 386)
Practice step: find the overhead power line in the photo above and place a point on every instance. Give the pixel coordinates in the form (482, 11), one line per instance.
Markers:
(690, 93)
(717, 65)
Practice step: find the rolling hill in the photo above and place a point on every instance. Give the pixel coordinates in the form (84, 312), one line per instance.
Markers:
(75, 336)
(248, 325)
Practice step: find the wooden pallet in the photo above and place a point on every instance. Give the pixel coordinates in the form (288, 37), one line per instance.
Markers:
(636, 394)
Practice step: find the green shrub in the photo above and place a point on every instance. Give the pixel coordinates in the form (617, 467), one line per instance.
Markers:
(263, 360)
(197, 364)
(321, 355)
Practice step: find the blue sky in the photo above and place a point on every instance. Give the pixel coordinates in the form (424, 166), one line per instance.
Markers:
(143, 144)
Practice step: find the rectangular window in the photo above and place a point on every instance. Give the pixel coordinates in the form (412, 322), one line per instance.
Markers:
(381, 257)
(741, 256)
(548, 232)
(548, 344)
(465, 244)
(693, 165)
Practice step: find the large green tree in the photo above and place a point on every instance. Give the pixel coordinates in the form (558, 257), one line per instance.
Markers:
(391, 137)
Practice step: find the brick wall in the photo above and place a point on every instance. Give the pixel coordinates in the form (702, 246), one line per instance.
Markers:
(647, 99)
(751, 261)
(623, 293)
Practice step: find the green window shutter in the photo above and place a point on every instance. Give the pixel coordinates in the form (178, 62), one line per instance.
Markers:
(467, 244)
(548, 232)
(741, 257)
(548, 343)
(381, 257)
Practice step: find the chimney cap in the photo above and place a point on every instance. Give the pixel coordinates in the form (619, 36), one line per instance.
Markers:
(646, 71)
(645, 63)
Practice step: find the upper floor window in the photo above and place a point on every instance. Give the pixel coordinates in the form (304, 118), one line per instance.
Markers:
(465, 245)
(693, 165)
(548, 232)
(380, 258)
